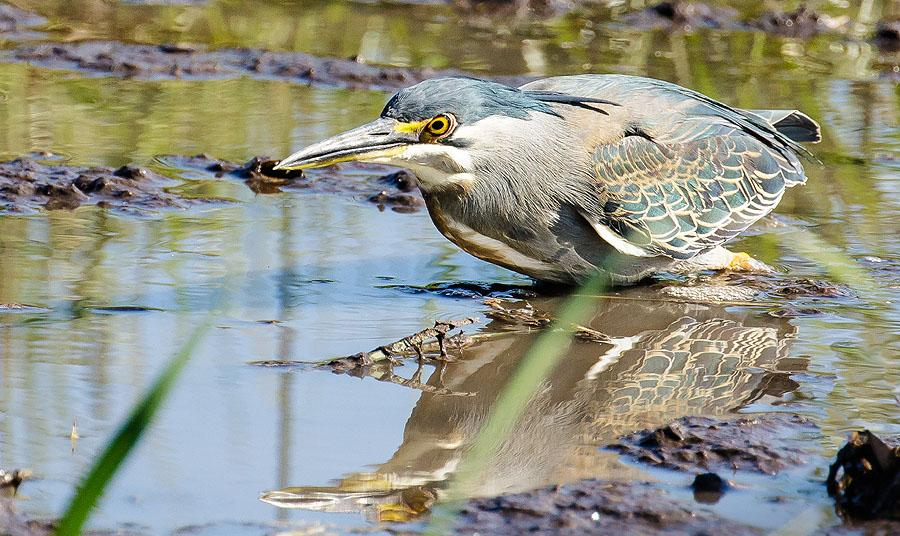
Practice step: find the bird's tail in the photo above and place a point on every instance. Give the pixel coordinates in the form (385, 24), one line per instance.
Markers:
(794, 124)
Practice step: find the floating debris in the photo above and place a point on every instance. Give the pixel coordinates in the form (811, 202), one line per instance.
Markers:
(278, 363)
(73, 435)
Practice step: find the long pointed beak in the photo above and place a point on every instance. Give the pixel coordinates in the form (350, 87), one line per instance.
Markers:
(378, 139)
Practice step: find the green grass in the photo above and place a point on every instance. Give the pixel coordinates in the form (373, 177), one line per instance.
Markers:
(839, 266)
(127, 437)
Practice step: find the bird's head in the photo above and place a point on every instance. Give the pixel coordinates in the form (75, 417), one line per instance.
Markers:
(440, 127)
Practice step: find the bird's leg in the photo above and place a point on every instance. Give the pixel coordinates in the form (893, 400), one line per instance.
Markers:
(420, 360)
(743, 262)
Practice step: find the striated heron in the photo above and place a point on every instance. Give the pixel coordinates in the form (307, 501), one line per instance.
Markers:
(569, 175)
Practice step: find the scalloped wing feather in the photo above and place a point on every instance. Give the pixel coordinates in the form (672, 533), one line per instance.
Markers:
(684, 198)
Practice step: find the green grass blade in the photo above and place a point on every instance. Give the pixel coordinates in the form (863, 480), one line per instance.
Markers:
(535, 366)
(838, 264)
(125, 439)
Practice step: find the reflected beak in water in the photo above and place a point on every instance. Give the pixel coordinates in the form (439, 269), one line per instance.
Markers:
(377, 141)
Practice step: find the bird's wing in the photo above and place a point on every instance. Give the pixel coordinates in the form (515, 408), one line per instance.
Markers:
(680, 199)
(685, 173)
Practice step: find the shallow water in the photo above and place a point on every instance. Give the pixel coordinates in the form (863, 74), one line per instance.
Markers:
(308, 276)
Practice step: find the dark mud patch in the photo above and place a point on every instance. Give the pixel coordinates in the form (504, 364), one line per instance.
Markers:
(865, 478)
(27, 185)
(193, 62)
(38, 182)
(887, 35)
(382, 186)
(685, 16)
(786, 297)
(469, 290)
(119, 309)
(803, 22)
(868, 469)
(754, 444)
(13, 524)
(590, 507)
(10, 480)
(519, 8)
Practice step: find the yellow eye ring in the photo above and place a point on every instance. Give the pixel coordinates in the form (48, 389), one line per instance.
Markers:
(438, 127)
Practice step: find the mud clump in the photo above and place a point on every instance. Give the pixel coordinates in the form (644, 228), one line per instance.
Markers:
(887, 35)
(398, 202)
(194, 62)
(746, 444)
(27, 184)
(260, 175)
(709, 488)
(470, 290)
(801, 23)
(14, 20)
(590, 507)
(865, 478)
(401, 180)
(366, 182)
(403, 198)
(692, 444)
(518, 8)
(682, 15)
(10, 480)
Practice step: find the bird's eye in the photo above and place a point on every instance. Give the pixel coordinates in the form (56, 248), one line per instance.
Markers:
(438, 127)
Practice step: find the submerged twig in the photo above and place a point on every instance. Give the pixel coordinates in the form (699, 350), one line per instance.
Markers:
(525, 315)
(429, 341)
(386, 374)
(433, 343)
(528, 316)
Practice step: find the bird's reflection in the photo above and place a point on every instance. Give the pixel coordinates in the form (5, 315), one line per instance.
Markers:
(662, 361)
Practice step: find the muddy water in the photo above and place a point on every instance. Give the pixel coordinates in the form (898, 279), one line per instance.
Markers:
(108, 298)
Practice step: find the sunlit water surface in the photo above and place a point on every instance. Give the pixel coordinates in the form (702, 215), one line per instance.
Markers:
(299, 276)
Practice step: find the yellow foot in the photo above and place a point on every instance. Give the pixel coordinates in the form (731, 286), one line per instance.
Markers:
(742, 262)
(396, 513)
